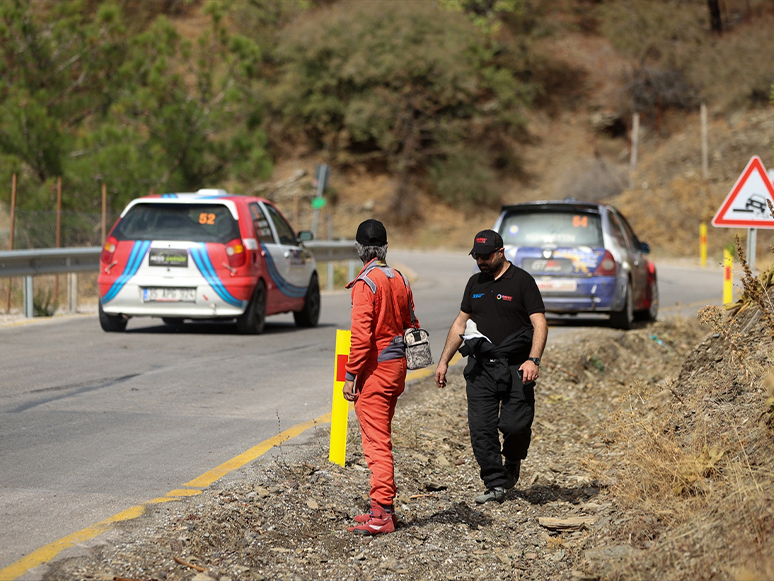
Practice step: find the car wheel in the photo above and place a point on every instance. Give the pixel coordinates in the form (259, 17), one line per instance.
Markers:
(172, 321)
(253, 321)
(112, 323)
(651, 312)
(624, 318)
(310, 314)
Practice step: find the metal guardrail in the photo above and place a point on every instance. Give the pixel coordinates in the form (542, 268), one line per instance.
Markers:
(49, 261)
(29, 263)
(61, 260)
(332, 250)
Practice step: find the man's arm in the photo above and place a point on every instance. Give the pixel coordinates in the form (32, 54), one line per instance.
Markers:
(453, 342)
(539, 337)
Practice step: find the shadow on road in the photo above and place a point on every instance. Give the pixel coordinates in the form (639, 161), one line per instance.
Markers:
(586, 320)
(153, 327)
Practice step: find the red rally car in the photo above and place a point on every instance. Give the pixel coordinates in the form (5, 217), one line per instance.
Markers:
(206, 255)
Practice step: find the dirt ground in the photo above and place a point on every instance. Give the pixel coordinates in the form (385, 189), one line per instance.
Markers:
(650, 460)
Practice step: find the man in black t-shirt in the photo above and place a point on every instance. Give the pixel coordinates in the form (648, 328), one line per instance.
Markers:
(502, 319)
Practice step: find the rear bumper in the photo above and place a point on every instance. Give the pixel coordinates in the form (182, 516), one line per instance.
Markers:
(209, 303)
(595, 295)
(174, 310)
(565, 305)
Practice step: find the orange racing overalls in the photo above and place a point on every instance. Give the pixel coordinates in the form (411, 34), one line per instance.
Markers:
(377, 363)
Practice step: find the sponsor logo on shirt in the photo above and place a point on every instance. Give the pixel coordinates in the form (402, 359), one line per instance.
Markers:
(504, 298)
(478, 295)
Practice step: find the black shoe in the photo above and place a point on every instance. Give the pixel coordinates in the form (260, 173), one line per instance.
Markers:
(512, 470)
(496, 493)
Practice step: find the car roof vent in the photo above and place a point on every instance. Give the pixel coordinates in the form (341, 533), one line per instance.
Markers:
(212, 192)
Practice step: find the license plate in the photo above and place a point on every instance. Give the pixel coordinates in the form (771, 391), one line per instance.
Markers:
(561, 285)
(168, 295)
(548, 265)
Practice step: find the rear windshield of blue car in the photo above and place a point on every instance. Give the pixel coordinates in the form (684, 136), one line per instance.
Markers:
(189, 222)
(556, 228)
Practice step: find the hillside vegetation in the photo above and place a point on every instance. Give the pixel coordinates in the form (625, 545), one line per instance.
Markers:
(430, 113)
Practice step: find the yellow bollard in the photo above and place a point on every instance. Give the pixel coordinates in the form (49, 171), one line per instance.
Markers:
(340, 409)
(703, 243)
(728, 277)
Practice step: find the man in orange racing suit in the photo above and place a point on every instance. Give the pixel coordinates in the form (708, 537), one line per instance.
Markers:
(376, 371)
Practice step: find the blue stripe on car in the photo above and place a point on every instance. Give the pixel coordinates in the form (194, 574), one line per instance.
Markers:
(202, 261)
(285, 287)
(138, 252)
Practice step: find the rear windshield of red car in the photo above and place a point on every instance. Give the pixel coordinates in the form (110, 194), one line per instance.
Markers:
(554, 228)
(189, 222)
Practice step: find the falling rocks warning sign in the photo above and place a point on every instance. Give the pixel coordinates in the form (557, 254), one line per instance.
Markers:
(747, 205)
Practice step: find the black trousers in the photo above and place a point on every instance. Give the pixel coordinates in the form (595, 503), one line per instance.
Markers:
(496, 406)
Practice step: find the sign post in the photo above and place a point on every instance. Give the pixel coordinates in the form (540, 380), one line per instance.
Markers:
(318, 202)
(728, 277)
(340, 408)
(703, 244)
(747, 205)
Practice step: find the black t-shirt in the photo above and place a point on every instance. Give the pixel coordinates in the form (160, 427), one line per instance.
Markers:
(503, 306)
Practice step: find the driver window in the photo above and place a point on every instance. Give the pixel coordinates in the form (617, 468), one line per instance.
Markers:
(261, 224)
(284, 231)
(617, 232)
(636, 244)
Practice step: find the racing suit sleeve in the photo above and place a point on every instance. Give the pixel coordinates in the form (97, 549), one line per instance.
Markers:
(363, 322)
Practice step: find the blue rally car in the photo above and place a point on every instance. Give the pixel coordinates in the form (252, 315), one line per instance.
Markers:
(585, 258)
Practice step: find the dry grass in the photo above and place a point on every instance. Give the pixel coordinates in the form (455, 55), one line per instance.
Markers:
(686, 468)
(46, 298)
(693, 455)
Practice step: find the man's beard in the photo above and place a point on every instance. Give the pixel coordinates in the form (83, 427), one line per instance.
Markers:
(491, 267)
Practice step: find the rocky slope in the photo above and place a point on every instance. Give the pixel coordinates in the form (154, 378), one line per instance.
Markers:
(649, 461)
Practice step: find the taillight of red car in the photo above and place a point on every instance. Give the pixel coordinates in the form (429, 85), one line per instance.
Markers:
(607, 266)
(235, 250)
(106, 258)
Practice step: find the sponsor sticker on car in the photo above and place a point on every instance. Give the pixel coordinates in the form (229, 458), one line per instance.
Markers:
(168, 257)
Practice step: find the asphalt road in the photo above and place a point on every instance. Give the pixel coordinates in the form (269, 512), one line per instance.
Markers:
(92, 423)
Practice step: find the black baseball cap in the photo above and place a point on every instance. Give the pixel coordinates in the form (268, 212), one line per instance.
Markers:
(371, 233)
(486, 242)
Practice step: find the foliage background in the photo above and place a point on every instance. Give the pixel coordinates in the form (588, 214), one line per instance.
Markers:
(447, 107)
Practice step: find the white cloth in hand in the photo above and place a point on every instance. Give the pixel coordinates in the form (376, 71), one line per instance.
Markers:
(472, 332)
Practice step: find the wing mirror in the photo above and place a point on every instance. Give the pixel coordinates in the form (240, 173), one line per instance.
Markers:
(305, 235)
(645, 247)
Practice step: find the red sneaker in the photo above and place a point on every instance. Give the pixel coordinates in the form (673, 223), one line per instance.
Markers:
(377, 522)
(369, 515)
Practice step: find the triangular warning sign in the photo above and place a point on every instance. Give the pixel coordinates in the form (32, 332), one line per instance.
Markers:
(746, 206)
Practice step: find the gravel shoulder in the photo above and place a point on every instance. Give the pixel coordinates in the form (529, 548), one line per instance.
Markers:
(571, 516)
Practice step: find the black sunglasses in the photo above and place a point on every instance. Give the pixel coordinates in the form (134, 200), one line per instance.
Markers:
(477, 256)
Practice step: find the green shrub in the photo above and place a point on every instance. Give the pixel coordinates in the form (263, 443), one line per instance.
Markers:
(44, 303)
(405, 82)
(464, 179)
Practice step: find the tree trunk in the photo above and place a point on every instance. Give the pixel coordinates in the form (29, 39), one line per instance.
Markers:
(403, 203)
(716, 22)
